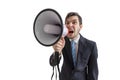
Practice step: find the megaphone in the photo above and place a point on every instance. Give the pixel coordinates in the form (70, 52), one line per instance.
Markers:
(48, 27)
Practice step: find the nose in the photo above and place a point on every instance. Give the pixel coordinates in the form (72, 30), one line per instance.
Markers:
(70, 24)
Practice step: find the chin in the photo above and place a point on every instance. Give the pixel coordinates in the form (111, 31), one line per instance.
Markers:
(70, 37)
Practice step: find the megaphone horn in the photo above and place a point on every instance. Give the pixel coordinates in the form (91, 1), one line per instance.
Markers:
(48, 27)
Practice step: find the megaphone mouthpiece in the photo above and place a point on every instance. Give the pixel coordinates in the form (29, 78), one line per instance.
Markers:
(65, 31)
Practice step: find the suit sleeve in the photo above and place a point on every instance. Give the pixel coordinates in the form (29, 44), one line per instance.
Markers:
(54, 59)
(93, 65)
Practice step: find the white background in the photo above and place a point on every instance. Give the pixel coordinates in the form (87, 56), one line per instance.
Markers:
(23, 58)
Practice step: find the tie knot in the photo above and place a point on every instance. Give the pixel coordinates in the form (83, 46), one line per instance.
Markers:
(73, 43)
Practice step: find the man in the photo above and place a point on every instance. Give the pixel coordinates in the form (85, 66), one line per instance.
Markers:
(84, 66)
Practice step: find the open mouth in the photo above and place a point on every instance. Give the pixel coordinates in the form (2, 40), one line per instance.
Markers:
(71, 31)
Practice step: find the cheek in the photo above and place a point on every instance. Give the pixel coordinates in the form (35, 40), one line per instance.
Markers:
(77, 29)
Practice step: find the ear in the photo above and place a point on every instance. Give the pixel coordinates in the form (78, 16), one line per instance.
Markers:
(81, 26)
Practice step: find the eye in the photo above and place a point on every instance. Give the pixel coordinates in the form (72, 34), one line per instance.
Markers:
(74, 22)
(67, 23)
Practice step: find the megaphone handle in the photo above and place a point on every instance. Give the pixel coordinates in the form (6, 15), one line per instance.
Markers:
(57, 58)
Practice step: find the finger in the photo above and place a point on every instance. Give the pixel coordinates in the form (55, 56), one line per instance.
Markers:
(60, 43)
(62, 38)
(58, 49)
(58, 46)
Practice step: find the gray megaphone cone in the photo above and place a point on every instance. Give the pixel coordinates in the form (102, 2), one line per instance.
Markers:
(48, 27)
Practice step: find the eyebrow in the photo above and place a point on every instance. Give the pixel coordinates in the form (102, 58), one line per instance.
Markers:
(71, 20)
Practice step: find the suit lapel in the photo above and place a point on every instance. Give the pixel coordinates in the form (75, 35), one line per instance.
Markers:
(81, 58)
(83, 54)
(81, 46)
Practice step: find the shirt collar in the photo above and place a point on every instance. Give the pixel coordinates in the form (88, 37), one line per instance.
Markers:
(76, 39)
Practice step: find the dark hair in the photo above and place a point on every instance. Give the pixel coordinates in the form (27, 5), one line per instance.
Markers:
(74, 14)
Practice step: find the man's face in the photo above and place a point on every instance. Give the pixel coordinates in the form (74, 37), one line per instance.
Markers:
(73, 25)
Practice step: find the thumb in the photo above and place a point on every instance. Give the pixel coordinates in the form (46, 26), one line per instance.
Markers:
(63, 40)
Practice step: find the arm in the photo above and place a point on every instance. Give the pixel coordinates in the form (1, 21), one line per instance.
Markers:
(93, 65)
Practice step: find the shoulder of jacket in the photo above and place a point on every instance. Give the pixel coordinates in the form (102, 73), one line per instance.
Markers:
(89, 42)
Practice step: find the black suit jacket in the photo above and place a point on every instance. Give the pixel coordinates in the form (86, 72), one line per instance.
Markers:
(87, 67)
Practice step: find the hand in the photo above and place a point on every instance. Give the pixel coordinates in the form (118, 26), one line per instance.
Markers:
(59, 45)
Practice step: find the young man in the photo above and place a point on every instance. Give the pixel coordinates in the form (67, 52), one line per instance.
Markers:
(84, 66)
